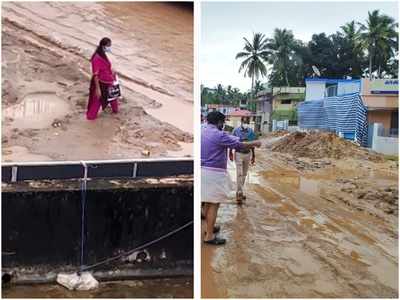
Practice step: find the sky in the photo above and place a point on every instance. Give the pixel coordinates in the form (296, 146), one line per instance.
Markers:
(224, 24)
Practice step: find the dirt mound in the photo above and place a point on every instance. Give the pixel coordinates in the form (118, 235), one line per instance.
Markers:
(277, 133)
(317, 145)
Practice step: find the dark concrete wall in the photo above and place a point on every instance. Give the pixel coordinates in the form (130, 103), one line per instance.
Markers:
(44, 228)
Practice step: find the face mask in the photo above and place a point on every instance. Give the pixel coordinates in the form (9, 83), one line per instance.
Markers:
(107, 49)
(245, 126)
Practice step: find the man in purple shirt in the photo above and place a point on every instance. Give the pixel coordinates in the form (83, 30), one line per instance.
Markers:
(215, 180)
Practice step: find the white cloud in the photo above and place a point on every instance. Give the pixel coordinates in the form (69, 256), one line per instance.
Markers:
(224, 24)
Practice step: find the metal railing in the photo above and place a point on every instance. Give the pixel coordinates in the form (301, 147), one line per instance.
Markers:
(124, 168)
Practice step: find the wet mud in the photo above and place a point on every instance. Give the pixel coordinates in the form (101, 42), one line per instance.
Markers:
(154, 288)
(299, 235)
(46, 73)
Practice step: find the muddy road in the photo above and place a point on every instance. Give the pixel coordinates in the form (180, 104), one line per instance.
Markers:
(309, 228)
(46, 48)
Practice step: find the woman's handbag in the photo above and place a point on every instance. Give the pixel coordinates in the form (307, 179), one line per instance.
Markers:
(114, 90)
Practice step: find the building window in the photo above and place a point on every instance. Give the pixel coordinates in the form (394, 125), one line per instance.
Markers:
(331, 90)
(286, 101)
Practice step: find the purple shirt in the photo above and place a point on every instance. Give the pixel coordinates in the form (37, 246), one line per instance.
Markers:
(214, 145)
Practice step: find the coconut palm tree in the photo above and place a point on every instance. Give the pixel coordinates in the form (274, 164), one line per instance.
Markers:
(380, 38)
(283, 52)
(258, 86)
(353, 46)
(254, 55)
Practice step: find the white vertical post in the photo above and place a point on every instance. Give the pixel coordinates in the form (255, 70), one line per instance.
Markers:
(375, 131)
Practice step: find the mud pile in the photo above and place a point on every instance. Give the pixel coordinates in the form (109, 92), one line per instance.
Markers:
(277, 133)
(317, 145)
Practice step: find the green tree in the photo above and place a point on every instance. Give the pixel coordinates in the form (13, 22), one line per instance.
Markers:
(351, 49)
(254, 57)
(258, 87)
(221, 95)
(380, 37)
(236, 96)
(283, 56)
(324, 55)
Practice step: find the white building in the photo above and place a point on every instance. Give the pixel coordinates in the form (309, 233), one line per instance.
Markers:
(320, 88)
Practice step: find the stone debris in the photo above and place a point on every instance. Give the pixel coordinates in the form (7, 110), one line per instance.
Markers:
(83, 282)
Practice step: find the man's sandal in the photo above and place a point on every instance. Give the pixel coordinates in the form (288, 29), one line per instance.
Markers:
(216, 241)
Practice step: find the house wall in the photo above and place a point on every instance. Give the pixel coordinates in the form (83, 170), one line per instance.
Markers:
(315, 90)
(384, 145)
(380, 116)
(380, 101)
(265, 122)
(348, 87)
(277, 105)
(225, 109)
(263, 116)
(384, 87)
(261, 107)
(235, 122)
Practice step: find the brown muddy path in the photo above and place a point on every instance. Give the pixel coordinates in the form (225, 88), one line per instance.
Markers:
(301, 235)
(46, 48)
(180, 287)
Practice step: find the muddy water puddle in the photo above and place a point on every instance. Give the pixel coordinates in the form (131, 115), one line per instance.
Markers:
(293, 180)
(36, 111)
(150, 288)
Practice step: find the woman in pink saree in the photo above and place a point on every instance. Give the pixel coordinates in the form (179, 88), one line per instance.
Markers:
(102, 78)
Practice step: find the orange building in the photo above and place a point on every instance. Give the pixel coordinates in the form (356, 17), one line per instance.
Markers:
(381, 97)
